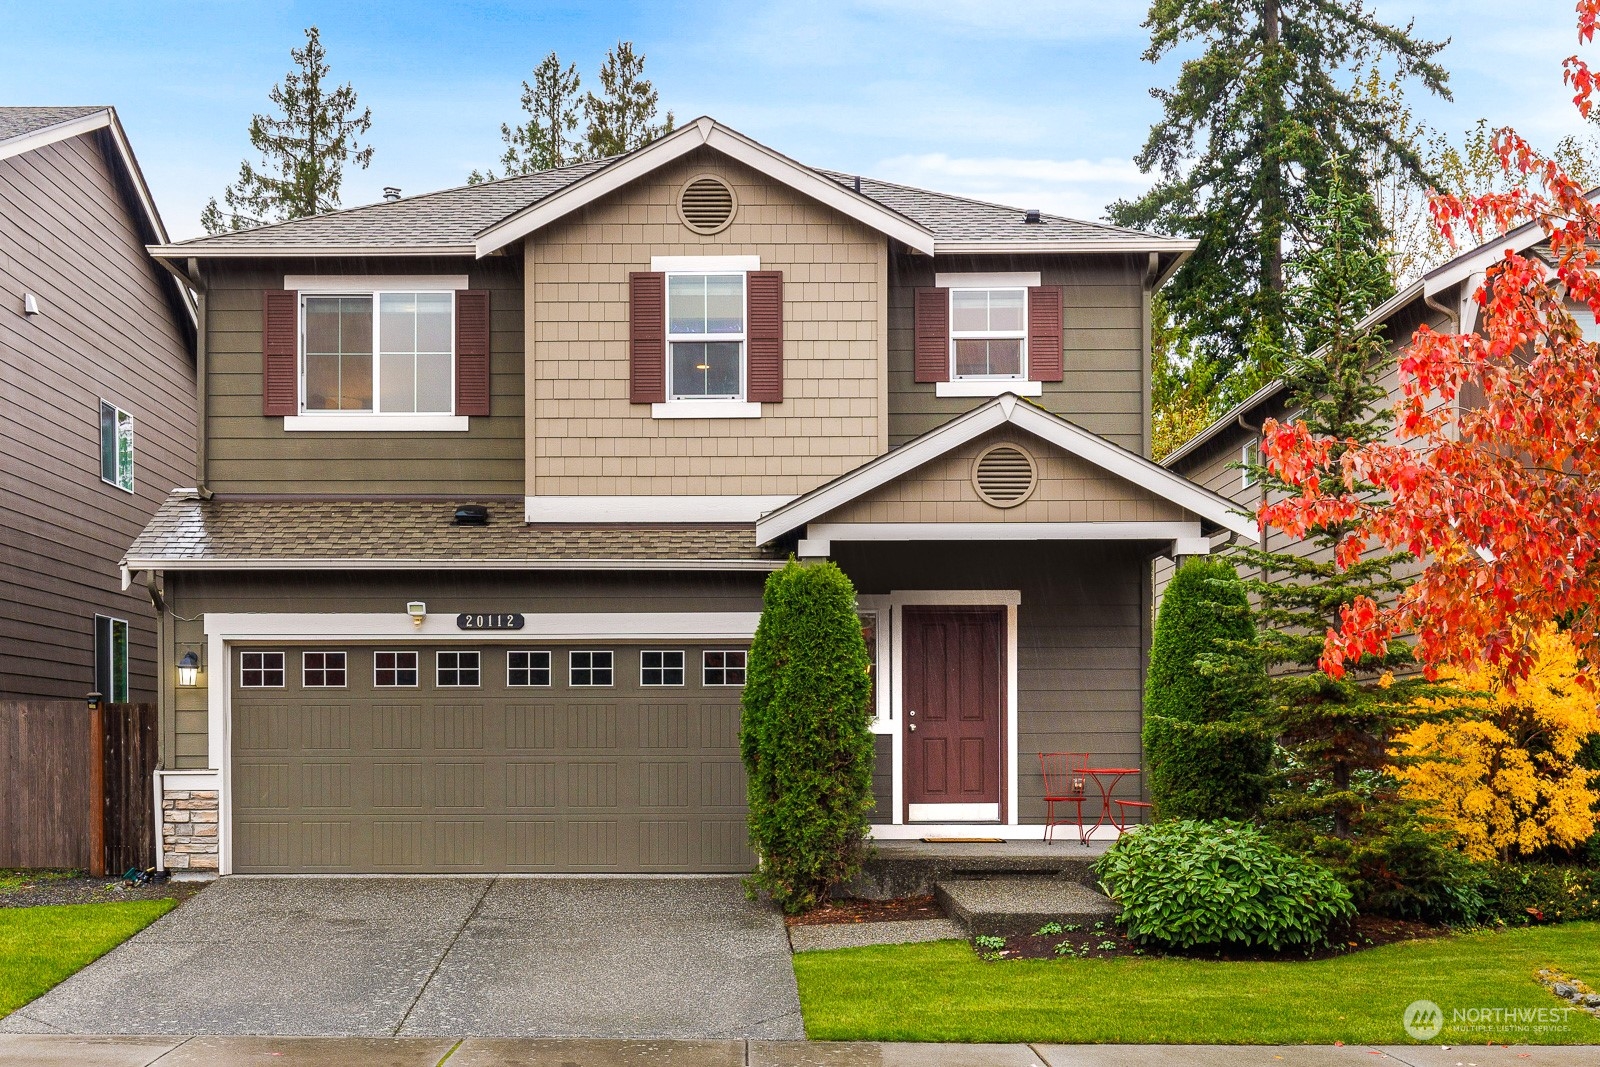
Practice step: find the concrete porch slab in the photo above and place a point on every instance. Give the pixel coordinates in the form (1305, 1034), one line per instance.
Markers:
(1020, 905)
(910, 868)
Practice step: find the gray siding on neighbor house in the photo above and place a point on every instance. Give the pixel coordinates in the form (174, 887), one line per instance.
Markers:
(1103, 387)
(1082, 637)
(248, 452)
(108, 328)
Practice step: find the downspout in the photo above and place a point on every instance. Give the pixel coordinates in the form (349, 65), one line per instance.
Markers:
(1147, 292)
(1261, 498)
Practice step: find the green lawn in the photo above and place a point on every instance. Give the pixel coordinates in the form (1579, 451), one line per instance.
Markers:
(942, 992)
(42, 946)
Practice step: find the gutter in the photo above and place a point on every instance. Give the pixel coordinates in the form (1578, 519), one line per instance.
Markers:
(450, 564)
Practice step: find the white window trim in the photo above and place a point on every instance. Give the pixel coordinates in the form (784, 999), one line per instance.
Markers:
(705, 406)
(118, 414)
(591, 667)
(988, 387)
(683, 669)
(1245, 480)
(374, 419)
(704, 264)
(415, 655)
(1007, 280)
(305, 669)
(111, 657)
(549, 668)
(982, 335)
(342, 283)
(706, 409)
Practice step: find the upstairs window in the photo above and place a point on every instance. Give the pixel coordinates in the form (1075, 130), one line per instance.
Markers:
(706, 336)
(988, 333)
(382, 352)
(116, 447)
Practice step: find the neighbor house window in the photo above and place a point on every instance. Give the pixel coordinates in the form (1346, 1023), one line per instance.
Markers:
(1249, 456)
(988, 333)
(322, 670)
(527, 668)
(660, 668)
(261, 670)
(390, 669)
(384, 352)
(589, 668)
(705, 331)
(719, 667)
(458, 669)
(111, 658)
(116, 446)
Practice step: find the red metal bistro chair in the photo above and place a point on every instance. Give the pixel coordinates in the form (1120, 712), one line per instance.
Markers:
(1066, 776)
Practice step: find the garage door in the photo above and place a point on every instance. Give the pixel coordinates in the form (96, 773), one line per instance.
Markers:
(416, 758)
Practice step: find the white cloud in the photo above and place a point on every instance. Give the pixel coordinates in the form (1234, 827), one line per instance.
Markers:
(1076, 188)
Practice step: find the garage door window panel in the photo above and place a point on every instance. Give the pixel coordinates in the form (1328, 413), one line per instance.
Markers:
(459, 670)
(527, 668)
(392, 670)
(722, 667)
(660, 668)
(588, 669)
(261, 670)
(323, 670)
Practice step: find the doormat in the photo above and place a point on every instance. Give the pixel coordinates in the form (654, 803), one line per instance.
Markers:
(964, 840)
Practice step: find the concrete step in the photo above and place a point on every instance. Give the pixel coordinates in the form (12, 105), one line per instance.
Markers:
(911, 868)
(1010, 905)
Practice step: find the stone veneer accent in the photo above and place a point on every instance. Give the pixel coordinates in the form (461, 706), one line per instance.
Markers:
(189, 830)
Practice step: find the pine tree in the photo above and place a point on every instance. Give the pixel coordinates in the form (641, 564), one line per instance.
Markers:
(1244, 133)
(303, 153)
(545, 140)
(1336, 798)
(623, 117)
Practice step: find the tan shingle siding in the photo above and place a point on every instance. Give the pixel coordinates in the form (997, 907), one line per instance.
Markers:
(588, 440)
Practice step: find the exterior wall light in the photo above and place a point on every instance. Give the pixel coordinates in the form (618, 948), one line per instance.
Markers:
(418, 611)
(189, 670)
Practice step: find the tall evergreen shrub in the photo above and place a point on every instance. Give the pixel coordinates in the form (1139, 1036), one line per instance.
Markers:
(806, 736)
(1206, 752)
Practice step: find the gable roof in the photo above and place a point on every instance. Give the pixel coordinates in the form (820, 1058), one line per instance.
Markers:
(26, 129)
(1004, 410)
(477, 219)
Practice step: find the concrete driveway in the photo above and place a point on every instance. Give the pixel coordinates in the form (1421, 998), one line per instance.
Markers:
(499, 957)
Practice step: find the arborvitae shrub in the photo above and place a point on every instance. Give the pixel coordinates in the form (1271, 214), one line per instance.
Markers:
(806, 736)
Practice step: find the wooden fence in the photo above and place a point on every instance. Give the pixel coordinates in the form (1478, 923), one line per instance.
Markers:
(75, 785)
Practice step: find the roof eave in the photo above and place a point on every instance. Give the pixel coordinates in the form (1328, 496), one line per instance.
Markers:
(152, 563)
(199, 250)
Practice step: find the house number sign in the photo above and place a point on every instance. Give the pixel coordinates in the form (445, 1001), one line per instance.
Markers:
(481, 621)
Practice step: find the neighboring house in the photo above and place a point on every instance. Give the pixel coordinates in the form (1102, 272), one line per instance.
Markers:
(491, 479)
(97, 403)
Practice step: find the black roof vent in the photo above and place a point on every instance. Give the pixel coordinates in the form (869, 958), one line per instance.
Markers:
(1032, 216)
(472, 515)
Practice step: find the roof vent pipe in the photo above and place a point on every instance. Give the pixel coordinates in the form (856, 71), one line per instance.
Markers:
(858, 183)
(391, 193)
(1032, 216)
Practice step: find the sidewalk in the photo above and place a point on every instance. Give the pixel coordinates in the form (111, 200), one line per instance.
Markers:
(57, 1050)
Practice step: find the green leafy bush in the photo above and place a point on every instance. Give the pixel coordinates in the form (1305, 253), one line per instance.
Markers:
(1408, 870)
(1191, 884)
(1519, 894)
(806, 737)
(1206, 752)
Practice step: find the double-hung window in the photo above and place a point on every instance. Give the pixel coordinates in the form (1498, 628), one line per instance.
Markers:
(383, 353)
(989, 333)
(116, 447)
(706, 336)
(111, 658)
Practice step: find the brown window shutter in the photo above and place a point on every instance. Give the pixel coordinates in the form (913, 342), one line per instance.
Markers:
(472, 352)
(280, 352)
(1044, 333)
(766, 337)
(647, 337)
(933, 334)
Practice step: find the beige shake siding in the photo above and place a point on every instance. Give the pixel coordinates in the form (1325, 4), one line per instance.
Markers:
(586, 439)
(252, 453)
(1102, 387)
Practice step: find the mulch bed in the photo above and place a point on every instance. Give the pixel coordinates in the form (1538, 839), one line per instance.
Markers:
(1108, 942)
(851, 910)
(52, 887)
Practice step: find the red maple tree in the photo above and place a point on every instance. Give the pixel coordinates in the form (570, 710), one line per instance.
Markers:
(1499, 497)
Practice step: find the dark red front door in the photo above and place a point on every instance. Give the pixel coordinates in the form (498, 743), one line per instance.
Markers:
(953, 700)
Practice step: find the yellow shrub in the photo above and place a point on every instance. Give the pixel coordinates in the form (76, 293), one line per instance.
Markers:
(1503, 775)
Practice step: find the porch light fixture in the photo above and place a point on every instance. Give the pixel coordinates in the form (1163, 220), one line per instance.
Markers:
(418, 611)
(189, 670)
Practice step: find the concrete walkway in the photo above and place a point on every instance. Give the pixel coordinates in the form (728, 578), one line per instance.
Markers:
(64, 1051)
(444, 957)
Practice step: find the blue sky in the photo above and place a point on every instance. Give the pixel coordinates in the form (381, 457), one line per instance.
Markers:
(1037, 103)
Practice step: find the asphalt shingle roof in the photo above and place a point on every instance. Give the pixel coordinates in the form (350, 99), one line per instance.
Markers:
(20, 121)
(188, 530)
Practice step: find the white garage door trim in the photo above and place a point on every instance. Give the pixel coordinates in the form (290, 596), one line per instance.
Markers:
(225, 628)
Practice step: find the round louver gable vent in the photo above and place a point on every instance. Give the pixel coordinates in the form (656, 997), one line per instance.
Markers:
(706, 204)
(1004, 476)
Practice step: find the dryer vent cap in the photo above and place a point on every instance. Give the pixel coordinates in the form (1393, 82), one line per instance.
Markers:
(472, 515)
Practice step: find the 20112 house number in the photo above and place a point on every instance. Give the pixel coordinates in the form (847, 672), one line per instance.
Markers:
(480, 621)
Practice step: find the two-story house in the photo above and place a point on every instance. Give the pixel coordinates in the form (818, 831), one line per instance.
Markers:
(491, 479)
(97, 404)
